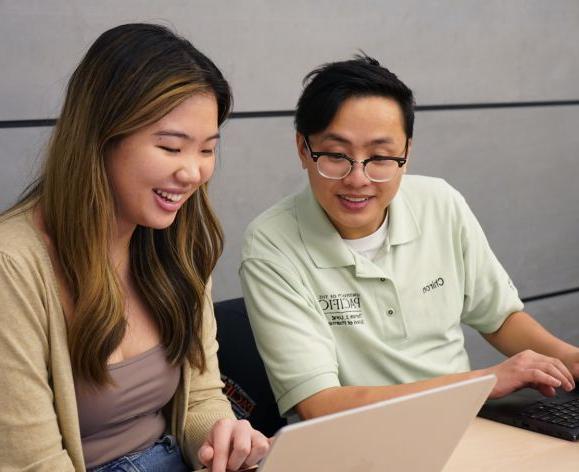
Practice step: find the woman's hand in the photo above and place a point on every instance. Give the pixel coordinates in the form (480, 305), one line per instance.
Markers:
(231, 445)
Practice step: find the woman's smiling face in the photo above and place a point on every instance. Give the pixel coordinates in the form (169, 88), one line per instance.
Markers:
(153, 171)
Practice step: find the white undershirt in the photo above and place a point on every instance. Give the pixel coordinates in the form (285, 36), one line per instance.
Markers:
(368, 246)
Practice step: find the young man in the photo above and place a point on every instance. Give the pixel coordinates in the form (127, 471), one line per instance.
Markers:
(356, 287)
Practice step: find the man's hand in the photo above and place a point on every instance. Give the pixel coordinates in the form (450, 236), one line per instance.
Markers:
(571, 361)
(231, 445)
(530, 369)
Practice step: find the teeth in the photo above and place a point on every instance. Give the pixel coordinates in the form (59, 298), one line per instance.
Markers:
(174, 197)
(355, 199)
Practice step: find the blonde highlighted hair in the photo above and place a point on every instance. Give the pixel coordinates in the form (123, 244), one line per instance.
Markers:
(131, 77)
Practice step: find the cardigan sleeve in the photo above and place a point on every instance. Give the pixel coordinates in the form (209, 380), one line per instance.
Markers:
(207, 403)
(30, 437)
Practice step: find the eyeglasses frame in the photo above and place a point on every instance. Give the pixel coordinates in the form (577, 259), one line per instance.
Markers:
(315, 155)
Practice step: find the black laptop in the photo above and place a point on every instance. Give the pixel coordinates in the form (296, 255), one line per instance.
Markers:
(557, 416)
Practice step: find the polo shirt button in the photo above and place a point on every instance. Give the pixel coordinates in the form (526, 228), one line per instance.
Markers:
(390, 312)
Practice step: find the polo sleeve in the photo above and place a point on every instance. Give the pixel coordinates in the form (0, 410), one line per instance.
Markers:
(489, 294)
(293, 338)
(30, 436)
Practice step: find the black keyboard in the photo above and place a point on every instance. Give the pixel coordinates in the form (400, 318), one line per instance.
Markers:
(563, 414)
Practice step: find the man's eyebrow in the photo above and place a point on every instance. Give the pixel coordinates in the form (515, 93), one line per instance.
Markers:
(335, 137)
(182, 135)
(378, 141)
(343, 140)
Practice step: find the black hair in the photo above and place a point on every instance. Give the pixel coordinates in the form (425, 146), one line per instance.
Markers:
(328, 86)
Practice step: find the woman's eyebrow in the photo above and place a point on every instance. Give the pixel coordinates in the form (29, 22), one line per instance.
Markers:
(173, 133)
(182, 135)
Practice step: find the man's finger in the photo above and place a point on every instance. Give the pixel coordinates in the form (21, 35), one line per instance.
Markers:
(554, 370)
(537, 377)
(546, 390)
(570, 381)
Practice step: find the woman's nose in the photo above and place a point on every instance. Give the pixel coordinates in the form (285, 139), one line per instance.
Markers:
(189, 172)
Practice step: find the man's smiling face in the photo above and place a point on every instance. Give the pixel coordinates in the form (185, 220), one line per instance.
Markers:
(362, 127)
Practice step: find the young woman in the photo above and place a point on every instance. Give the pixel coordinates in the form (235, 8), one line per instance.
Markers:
(107, 339)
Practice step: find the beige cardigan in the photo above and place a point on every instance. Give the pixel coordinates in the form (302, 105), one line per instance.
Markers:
(39, 428)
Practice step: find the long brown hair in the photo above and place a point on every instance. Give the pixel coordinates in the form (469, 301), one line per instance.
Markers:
(131, 77)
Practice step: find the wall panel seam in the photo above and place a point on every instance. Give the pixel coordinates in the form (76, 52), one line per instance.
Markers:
(46, 122)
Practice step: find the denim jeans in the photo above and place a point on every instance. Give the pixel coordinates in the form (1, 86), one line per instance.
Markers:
(162, 456)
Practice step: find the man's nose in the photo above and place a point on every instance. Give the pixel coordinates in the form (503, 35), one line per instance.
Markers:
(357, 176)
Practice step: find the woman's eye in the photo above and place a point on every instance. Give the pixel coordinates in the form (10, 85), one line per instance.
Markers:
(169, 149)
(208, 152)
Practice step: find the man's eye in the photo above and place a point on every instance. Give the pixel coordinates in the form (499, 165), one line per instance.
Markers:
(335, 157)
(381, 161)
(168, 149)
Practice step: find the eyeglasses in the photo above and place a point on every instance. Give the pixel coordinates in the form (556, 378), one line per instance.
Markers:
(336, 165)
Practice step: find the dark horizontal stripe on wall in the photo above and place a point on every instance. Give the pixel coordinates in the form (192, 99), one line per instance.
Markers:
(543, 296)
(443, 107)
(482, 106)
(27, 123)
(262, 114)
(290, 113)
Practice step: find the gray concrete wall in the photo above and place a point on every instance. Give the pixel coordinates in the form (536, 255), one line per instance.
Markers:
(517, 166)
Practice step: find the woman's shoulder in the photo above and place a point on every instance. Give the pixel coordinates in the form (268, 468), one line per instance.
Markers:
(20, 241)
(27, 284)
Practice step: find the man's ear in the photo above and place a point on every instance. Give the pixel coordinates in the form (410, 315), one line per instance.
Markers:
(408, 151)
(302, 149)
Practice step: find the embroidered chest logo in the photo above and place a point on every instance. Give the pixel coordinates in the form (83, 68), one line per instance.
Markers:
(342, 309)
(436, 283)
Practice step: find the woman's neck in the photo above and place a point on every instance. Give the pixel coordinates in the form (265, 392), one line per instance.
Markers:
(119, 252)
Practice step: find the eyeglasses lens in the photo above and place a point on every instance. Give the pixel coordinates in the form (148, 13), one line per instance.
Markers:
(338, 168)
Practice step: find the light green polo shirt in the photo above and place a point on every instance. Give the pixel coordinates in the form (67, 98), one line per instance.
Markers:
(325, 316)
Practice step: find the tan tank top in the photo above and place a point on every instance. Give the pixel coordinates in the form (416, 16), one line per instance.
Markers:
(125, 418)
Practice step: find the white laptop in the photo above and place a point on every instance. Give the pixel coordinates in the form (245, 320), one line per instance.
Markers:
(413, 433)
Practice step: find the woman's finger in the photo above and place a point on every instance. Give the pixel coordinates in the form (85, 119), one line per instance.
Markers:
(221, 435)
(240, 444)
(259, 447)
(205, 454)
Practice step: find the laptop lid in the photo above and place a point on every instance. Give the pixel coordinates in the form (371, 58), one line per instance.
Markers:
(415, 432)
(529, 409)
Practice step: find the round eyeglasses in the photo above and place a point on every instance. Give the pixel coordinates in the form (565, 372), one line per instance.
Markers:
(336, 165)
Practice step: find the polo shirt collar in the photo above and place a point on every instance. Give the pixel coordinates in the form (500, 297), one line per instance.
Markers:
(403, 225)
(325, 245)
(321, 240)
